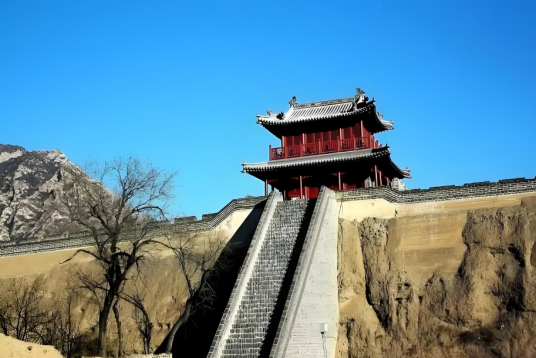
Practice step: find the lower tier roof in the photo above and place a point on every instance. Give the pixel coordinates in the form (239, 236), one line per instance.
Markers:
(341, 161)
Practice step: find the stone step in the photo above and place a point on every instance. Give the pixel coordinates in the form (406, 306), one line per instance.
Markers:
(258, 302)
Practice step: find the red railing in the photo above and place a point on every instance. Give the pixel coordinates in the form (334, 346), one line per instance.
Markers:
(311, 148)
(330, 147)
(293, 151)
(347, 144)
(334, 146)
(362, 143)
(277, 153)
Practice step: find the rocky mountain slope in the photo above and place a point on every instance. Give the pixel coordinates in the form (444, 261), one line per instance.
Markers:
(28, 182)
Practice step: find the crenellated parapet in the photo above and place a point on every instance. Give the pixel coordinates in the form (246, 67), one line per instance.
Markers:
(442, 193)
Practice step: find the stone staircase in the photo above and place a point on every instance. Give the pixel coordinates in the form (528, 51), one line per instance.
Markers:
(252, 321)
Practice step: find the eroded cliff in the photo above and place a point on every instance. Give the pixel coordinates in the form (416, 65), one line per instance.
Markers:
(487, 308)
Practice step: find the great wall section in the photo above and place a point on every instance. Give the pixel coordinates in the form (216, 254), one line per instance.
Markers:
(190, 224)
(295, 274)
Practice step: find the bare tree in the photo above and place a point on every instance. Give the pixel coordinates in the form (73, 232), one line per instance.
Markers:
(65, 332)
(121, 221)
(199, 258)
(5, 314)
(141, 316)
(24, 314)
(70, 331)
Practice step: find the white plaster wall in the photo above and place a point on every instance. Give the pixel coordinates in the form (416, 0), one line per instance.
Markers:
(315, 297)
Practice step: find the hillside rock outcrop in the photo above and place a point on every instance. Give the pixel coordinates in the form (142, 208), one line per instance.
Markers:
(487, 309)
(28, 182)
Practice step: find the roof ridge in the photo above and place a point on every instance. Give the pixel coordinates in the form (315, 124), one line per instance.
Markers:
(324, 103)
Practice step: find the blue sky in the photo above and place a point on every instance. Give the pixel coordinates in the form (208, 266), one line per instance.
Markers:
(179, 83)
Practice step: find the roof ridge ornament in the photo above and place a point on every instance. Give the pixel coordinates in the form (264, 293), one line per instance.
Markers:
(293, 102)
(359, 97)
(270, 113)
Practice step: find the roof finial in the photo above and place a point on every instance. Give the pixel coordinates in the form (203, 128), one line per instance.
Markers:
(360, 96)
(270, 112)
(293, 102)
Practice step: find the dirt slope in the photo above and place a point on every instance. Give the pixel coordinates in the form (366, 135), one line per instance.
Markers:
(486, 309)
(12, 348)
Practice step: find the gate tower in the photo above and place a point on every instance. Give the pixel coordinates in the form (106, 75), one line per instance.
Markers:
(327, 143)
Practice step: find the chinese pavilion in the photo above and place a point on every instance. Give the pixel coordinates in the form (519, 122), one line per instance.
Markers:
(327, 143)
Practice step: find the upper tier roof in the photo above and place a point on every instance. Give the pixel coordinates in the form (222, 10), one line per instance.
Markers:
(325, 113)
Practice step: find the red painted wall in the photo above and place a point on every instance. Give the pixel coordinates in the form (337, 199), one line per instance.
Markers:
(358, 130)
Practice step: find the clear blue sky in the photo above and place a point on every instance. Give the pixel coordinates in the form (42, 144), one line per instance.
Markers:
(179, 83)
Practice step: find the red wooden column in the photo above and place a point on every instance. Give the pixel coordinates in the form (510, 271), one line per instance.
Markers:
(376, 175)
(362, 135)
(339, 177)
(265, 187)
(302, 145)
(301, 188)
(381, 181)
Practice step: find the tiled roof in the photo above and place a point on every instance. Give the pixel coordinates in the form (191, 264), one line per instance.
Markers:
(330, 111)
(317, 160)
(302, 113)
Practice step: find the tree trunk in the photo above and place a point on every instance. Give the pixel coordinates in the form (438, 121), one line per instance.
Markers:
(103, 323)
(103, 318)
(182, 319)
(168, 343)
(119, 335)
(147, 334)
(147, 338)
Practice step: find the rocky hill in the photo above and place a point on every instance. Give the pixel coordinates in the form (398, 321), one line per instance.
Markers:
(28, 183)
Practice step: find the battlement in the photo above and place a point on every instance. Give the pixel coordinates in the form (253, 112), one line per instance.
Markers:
(442, 193)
